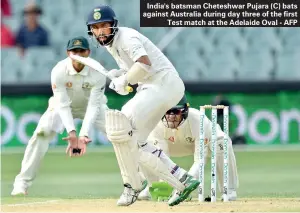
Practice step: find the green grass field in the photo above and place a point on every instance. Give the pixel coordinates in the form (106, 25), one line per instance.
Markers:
(273, 174)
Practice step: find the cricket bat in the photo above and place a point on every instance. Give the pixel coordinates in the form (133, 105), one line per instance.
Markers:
(92, 63)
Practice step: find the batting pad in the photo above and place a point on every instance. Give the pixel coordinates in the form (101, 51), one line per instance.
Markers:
(149, 175)
(154, 165)
(119, 132)
(118, 127)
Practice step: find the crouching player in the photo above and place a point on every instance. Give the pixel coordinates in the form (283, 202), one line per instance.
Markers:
(177, 134)
(78, 92)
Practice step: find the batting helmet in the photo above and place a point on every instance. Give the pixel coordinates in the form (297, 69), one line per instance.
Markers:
(99, 14)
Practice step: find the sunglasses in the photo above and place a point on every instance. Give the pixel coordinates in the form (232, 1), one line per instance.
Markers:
(78, 50)
(174, 111)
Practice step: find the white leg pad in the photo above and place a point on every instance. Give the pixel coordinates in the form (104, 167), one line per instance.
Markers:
(148, 175)
(119, 132)
(154, 165)
(128, 165)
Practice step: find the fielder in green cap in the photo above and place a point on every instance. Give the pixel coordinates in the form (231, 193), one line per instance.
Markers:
(78, 93)
(78, 46)
(80, 43)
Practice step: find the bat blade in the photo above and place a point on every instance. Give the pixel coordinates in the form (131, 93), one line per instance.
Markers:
(92, 63)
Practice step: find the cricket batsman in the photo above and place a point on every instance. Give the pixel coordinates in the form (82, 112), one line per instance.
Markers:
(177, 134)
(78, 92)
(159, 88)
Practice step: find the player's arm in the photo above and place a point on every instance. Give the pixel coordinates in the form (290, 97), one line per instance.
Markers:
(63, 100)
(139, 71)
(94, 104)
(194, 170)
(142, 65)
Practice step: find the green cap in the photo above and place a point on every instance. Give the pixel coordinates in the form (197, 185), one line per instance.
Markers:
(79, 42)
(182, 103)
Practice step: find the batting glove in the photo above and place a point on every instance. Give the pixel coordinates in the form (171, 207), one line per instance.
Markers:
(119, 85)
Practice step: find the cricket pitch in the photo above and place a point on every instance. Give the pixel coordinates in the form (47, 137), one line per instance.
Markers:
(109, 205)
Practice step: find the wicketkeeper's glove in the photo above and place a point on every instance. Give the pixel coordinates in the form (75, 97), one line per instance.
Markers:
(160, 191)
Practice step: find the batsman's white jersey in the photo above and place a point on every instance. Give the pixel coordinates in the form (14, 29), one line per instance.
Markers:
(184, 141)
(76, 95)
(156, 94)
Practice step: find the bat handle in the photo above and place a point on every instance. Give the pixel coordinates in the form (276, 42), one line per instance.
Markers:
(129, 89)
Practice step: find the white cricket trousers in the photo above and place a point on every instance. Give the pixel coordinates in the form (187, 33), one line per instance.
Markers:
(152, 101)
(49, 125)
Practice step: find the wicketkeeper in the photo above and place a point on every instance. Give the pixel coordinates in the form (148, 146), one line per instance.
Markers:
(177, 134)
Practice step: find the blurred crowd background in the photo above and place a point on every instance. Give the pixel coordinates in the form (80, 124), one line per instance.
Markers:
(34, 36)
(254, 70)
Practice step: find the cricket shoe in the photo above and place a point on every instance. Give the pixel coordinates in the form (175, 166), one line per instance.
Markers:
(129, 195)
(190, 183)
(174, 197)
(232, 196)
(145, 194)
(18, 191)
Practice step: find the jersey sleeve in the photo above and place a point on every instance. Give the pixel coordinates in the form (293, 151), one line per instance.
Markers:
(61, 95)
(133, 46)
(94, 105)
